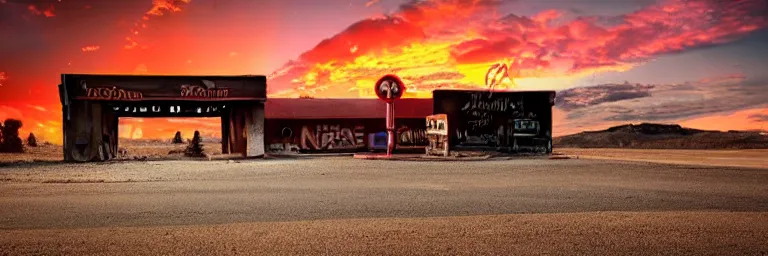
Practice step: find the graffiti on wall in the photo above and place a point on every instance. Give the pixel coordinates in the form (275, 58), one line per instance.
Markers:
(481, 109)
(407, 136)
(113, 93)
(283, 147)
(481, 103)
(322, 137)
(481, 112)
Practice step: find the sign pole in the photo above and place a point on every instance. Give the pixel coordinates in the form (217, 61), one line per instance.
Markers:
(389, 88)
(390, 127)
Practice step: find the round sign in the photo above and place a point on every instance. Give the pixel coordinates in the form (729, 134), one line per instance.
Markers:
(389, 88)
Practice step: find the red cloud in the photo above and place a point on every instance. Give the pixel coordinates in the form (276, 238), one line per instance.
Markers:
(405, 26)
(459, 36)
(366, 35)
(672, 26)
(159, 8)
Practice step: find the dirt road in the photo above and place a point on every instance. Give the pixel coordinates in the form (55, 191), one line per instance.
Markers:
(308, 205)
(605, 233)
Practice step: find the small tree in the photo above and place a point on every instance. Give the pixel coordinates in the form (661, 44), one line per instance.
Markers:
(177, 138)
(1, 134)
(195, 148)
(32, 140)
(11, 141)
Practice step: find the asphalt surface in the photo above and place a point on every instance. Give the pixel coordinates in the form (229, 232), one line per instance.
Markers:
(203, 193)
(344, 206)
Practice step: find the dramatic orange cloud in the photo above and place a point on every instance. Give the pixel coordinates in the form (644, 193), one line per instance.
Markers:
(434, 45)
(3, 77)
(159, 8)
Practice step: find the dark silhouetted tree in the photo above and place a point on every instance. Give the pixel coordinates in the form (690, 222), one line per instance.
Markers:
(32, 140)
(11, 141)
(195, 148)
(177, 138)
(1, 134)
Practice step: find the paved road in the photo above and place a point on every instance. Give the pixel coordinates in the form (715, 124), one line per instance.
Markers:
(200, 193)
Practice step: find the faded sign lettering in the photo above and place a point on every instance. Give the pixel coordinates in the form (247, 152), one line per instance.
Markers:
(481, 109)
(480, 103)
(112, 94)
(202, 92)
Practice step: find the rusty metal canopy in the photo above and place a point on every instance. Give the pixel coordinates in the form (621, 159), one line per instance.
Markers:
(127, 88)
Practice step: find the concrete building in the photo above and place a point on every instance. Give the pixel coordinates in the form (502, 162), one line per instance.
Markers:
(342, 125)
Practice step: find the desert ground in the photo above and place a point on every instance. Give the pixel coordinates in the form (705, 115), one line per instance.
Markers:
(752, 158)
(623, 203)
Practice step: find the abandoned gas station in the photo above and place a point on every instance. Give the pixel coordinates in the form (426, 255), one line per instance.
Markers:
(92, 105)
(251, 125)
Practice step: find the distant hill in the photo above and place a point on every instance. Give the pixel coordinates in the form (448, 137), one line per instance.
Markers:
(662, 136)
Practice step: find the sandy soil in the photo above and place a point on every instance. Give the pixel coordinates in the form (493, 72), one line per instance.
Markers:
(44, 152)
(159, 150)
(754, 158)
(151, 149)
(603, 233)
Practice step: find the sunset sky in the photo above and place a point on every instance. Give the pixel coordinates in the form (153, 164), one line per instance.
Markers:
(699, 63)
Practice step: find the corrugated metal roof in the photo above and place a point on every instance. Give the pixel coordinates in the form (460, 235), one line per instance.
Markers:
(281, 108)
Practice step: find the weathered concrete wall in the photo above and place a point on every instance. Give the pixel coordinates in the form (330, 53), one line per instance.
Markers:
(90, 132)
(338, 134)
(254, 127)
